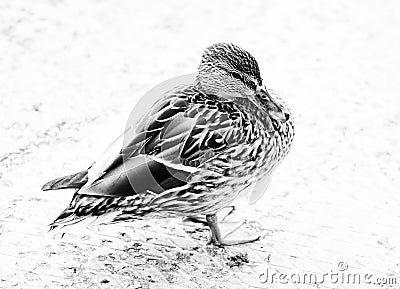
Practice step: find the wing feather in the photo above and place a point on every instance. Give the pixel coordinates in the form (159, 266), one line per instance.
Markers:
(181, 131)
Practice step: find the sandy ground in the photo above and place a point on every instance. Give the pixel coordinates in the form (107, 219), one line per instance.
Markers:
(71, 71)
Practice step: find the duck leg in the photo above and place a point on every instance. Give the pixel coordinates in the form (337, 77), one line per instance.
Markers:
(201, 220)
(216, 236)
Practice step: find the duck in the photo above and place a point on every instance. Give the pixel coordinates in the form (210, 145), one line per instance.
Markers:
(199, 146)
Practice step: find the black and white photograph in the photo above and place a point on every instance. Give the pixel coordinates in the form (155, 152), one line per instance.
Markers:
(199, 144)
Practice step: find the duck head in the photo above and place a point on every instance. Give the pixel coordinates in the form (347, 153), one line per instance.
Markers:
(231, 72)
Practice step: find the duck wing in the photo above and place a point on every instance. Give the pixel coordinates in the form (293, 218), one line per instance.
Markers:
(181, 132)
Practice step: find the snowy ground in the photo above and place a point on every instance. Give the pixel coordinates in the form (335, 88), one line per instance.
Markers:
(71, 71)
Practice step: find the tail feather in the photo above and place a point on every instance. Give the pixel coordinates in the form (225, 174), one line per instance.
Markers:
(75, 181)
(97, 210)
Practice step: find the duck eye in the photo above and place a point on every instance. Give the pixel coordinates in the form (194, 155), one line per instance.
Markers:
(244, 79)
(236, 75)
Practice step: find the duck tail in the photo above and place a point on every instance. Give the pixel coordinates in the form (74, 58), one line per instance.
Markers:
(75, 181)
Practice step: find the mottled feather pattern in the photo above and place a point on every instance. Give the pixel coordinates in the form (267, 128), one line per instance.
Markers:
(232, 56)
(83, 206)
(198, 148)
